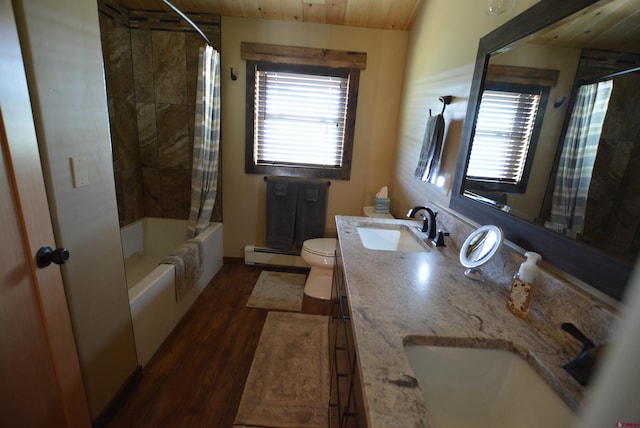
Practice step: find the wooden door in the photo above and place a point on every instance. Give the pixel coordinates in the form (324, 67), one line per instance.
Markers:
(40, 380)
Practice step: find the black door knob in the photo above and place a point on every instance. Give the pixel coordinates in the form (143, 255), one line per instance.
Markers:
(46, 256)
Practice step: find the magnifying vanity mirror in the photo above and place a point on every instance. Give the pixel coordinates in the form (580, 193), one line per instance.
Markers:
(479, 248)
(550, 150)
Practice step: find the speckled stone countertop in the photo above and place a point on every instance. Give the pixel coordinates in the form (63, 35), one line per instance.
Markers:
(399, 298)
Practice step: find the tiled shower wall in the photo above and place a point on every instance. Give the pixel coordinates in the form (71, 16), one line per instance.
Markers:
(612, 220)
(151, 61)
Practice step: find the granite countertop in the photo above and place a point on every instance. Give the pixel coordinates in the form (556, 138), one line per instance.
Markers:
(399, 298)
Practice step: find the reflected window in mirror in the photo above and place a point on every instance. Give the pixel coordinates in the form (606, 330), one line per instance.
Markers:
(507, 129)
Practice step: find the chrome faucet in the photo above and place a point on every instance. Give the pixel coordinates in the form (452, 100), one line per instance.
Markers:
(429, 220)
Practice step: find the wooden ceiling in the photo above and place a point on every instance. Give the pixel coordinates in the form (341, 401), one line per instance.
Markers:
(608, 25)
(387, 14)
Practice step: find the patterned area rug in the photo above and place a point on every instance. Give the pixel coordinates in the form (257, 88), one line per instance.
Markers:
(278, 290)
(288, 383)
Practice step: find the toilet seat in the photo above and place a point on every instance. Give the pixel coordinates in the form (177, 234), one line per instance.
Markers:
(325, 247)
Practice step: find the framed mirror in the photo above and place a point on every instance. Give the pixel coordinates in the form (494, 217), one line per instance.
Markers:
(525, 144)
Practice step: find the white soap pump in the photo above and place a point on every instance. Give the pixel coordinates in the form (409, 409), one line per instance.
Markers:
(522, 287)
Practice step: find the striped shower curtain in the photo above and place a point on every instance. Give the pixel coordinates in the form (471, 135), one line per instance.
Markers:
(204, 176)
(578, 158)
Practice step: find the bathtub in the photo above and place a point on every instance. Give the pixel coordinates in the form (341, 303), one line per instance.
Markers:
(154, 310)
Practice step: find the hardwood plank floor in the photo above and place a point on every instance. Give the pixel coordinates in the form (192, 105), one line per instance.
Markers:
(197, 376)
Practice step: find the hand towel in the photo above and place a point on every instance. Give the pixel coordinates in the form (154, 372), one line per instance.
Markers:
(282, 195)
(188, 267)
(180, 281)
(311, 212)
(281, 187)
(311, 191)
(431, 153)
(200, 250)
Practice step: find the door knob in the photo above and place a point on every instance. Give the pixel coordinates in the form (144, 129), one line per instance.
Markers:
(46, 256)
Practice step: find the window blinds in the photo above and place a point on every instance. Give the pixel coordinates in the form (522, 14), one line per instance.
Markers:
(299, 118)
(503, 134)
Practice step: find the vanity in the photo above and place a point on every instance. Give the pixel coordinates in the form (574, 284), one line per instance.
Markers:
(386, 300)
(395, 295)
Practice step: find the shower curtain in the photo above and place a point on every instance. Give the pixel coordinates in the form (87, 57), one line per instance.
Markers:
(206, 144)
(578, 157)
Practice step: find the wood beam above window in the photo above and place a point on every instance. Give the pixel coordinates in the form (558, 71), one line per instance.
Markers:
(302, 56)
(522, 75)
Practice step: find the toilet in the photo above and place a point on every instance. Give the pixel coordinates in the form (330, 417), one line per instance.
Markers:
(319, 253)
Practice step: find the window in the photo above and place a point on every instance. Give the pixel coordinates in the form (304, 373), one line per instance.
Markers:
(300, 117)
(506, 133)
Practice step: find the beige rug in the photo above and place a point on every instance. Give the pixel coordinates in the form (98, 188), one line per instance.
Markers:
(278, 290)
(288, 383)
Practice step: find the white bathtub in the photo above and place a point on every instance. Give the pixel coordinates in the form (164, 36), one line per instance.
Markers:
(154, 309)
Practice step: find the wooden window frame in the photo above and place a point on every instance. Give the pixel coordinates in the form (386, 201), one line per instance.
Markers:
(516, 79)
(486, 184)
(301, 60)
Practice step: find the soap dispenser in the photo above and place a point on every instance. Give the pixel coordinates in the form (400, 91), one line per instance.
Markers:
(522, 287)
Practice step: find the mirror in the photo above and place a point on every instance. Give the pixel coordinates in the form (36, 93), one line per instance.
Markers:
(549, 53)
(479, 248)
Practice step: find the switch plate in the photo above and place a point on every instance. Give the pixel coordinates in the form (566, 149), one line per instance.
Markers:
(79, 171)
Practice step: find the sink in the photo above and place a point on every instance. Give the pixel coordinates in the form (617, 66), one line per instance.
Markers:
(389, 239)
(484, 387)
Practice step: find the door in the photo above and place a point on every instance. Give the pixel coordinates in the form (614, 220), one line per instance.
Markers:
(41, 382)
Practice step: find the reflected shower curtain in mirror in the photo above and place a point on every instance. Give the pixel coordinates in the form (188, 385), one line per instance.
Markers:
(578, 157)
(206, 144)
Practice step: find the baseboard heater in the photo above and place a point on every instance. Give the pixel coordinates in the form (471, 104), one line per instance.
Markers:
(268, 256)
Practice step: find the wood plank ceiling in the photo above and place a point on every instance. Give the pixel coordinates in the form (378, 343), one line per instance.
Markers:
(608, 25)
(386, 14)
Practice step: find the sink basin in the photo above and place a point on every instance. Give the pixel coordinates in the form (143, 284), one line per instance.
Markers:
(389, 239)
(484, 388)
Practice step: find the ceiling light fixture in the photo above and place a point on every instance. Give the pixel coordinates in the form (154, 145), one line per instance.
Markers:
(498, 7)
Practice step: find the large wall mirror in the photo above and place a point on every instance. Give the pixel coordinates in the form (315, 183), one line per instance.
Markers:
(550, 148)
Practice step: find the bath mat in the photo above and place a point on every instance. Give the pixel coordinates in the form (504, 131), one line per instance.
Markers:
(288, 383)
(278, 290)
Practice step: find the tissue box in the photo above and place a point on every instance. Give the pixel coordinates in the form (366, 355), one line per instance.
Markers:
(381, 205)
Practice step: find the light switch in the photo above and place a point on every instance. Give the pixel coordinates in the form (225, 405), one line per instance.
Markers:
(79, 171)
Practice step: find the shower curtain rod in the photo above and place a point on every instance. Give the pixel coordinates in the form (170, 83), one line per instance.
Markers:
(190, 22)
(609, 76)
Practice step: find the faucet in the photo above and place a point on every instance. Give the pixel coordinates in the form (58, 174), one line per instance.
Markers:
(429, 220)
(581, 367)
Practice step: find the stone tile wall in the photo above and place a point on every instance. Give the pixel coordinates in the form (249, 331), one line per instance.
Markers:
(151, 66)
(612, 219)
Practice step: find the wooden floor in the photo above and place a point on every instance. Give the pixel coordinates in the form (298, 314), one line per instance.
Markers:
(197, 376)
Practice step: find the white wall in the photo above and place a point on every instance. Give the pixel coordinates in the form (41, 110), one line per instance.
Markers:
(376, 120)
(63, 59)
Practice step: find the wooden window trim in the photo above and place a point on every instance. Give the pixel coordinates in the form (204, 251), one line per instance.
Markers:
(293, 57)
(259, 52)
(480, 185)
(522, 75)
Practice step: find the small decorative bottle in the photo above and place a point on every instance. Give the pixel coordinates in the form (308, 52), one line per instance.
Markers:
(522, 287)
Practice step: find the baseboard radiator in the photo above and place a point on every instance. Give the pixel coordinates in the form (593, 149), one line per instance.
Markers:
(267, 256)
